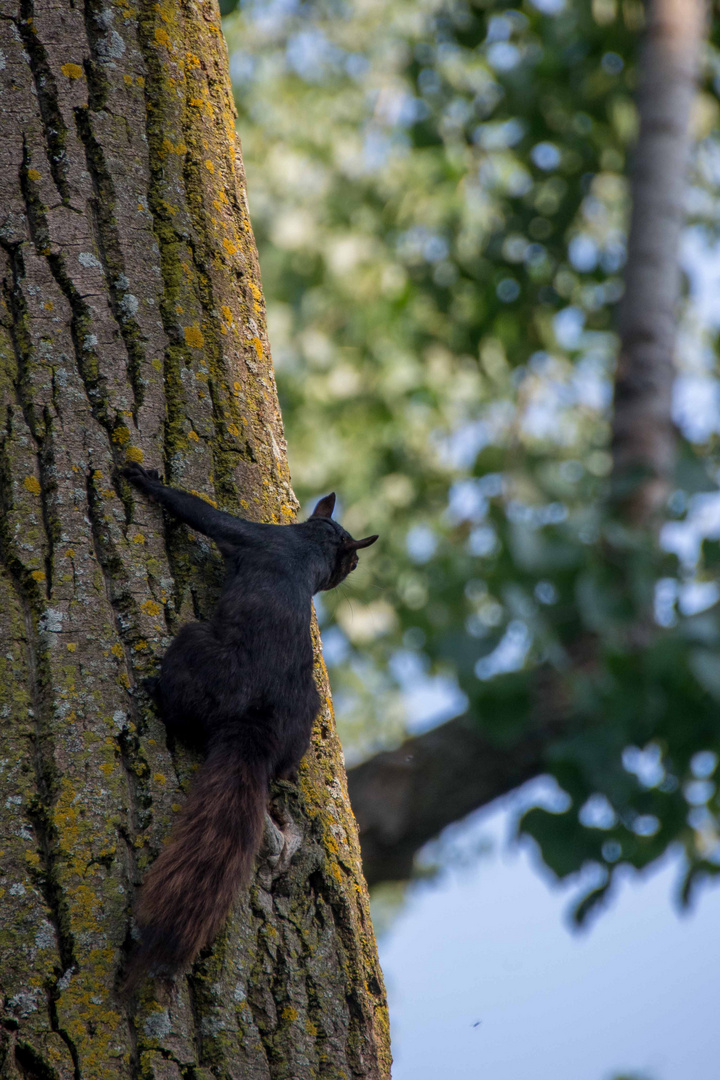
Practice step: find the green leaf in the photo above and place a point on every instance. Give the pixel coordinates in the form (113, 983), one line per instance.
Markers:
(705, 665)
(692, 473)
(591, 901)
(564, 845)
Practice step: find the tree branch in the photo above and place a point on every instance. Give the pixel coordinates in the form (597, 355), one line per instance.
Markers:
(402, 798)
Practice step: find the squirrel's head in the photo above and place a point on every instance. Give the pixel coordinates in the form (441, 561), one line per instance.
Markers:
(339, 548)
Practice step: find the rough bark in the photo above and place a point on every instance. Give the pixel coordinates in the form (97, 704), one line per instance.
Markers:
(132, 327)
(644, 438)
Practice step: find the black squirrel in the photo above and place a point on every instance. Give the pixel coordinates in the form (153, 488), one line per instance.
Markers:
(241, 686)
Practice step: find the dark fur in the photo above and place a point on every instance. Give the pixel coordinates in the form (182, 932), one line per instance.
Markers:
(241, 685)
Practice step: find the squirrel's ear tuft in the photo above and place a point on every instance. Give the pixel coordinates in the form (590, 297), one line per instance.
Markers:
(325, 507)
(365, 542)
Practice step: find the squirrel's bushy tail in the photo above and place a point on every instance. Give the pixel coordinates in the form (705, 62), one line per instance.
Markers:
(189, 889)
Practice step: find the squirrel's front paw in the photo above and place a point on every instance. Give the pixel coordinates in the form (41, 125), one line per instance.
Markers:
(139, 476)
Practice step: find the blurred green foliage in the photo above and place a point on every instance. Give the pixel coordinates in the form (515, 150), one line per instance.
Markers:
(439, 192)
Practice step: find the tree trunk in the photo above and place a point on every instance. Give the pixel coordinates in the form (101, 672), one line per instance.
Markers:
(133, 327)
(644, 439)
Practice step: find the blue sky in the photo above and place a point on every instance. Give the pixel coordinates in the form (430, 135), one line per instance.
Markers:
(636, 994)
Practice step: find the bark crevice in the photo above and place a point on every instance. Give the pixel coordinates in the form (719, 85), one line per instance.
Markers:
(54, 130)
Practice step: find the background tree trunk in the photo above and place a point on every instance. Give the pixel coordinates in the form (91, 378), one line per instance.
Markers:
(133, 328)
(644, 441)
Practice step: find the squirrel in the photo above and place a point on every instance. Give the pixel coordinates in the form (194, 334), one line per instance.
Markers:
(240, 685)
